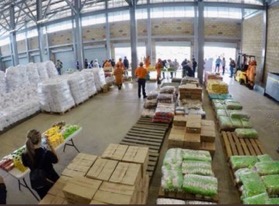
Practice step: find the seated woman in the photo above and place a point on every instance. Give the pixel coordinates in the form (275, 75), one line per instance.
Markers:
(37, 157)
(3, 191)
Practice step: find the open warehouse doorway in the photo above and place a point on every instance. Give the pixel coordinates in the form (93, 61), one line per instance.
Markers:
(214, 50)
(172, 51)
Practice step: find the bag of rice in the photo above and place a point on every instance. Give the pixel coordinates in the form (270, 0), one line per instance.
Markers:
(172, 179)
(257, 199)
(267, 168)
(232, 104)
(225, 123)
(200, 185)
(264, 158)
(167, 90)
(243, 161)
(252, 184)
(246, 133)
(197, 167)
(271, 183)
(236, 123)
(246, 123)
(239, 114)
(152, 95)
(168, 201)
(273, 201)
(173, 157)
(196, 155)
(238, 173)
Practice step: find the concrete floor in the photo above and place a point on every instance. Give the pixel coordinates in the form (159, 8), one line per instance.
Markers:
(106, 118)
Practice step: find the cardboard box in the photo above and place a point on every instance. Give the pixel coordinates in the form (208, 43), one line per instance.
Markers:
(176, 137)
(207, 123)
(208, 128)
(102, 169)
(192, 117)
(95, 202)
(52, 199)
(193, 126)
(208, 135)
(192, 141)
(81, 190)
(138, 155)
(112, 193)
(127, 174)
(179, 120)
(72, 173)
(85, 160)
(115, 151)
(208, 146)
(145, 190)
(57, 188)
(78, 167)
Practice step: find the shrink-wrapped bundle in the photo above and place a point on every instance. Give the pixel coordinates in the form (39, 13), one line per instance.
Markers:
(110, 80)
(42, 71)
(90, 82)
(3, 87)
(51, 70)
(78, 87)
(100, 80)
(16, 77)
(55, 95)
(33, 74)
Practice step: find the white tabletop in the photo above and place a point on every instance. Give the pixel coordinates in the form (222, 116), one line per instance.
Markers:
(19, 175)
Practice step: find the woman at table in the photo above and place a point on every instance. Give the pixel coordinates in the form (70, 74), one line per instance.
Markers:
(36, 157)
(3, 191)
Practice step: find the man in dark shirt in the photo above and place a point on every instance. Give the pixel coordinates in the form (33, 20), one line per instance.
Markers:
(3, 191)
(195, 64)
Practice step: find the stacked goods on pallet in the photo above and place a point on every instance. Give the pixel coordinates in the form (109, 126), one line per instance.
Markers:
(78, 87)
(100, 80)
(217, 87)
(55, 95)
(164, 113)
(51, 70)
(110, 80)
(16, 77)
(188, 172)
(42, 70)
(248, 133)
(190, 80)
(191, 107)
(170, 201)
(33, 74)
(150, 104)
(17, 104)
(3, 87)
(219, 96)
(191, 132)
(212, 76)
(191, 91)
(90, 82)
(257, 178)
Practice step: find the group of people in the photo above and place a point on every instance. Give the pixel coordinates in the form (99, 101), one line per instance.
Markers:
(189, 68)
(222, 63)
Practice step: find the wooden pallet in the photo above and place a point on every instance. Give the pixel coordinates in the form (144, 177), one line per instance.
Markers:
(239, 146)
(58, 113)
(149, 134)
(186, 196)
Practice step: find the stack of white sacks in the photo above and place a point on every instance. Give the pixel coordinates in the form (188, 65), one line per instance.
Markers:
(27, 89)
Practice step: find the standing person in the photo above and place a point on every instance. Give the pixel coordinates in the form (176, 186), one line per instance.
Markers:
(85, 63)
(158, 68)
(120, 63)
(217, 64)
(36, 157)
(171, 66)
(118, 73)
(3, 191)
(224, 65)
(59, 66)
(96, 63)
(195, 64)
(77, 65)
(184, 68)
(164, 65)
(90, 64)
(126, 65)
(232, 66)
(112, 62)
(176, 66)
(141, 73)
(147, 62)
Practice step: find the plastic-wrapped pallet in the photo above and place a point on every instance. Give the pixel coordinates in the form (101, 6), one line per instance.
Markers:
(78, 87)
(109, 80)
(16, 77)
(4, 121)
(55, 95)
(100, 80)
(90, 82)
(42, 71)
(51, 70)
(3, 87)
(33, 74)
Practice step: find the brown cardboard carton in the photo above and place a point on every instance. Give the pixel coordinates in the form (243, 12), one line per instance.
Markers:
(193, 126)
(47, 199)
(95, 202)
(191, 117)
(192, 141)
(127, 173)
(176, 138)
(115, 151)
(207, 135)
(138, 155)
(85, 159)
(179, 120)
(102, 169)
(208, 146)
(207, 123)
(72, 173)
(81, 190)
(112, 193)
(77, 167)
(145, 189)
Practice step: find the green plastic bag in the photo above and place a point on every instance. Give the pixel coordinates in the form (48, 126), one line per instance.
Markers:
(243, 161)
(260, 199)
(264, 158)
(267, 168)
(196, 155)
(231, 104)
(246, 133)
(173, 157)
(197, 167)
(236, 123)
(172, 179)
(252, 184)
(218, 106)
(246, 123)
(273, 201)
(221, 112)
(238, 173)
(271, 183)
(239, 114)
(225, 123)
(200, 185)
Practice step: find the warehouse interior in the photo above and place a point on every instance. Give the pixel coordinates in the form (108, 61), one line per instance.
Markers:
(34, 32)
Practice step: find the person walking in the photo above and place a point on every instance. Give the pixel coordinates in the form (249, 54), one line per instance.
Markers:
(3, 191)
(223, 65)
(232, 66)
(59, 66)
(158, 68)
(217, 64)
(96, 64)
(176, 66)
(36, 157)
(184, 67)
(112, 62)
(118, 73)
(195, 64)
(126, 65)
(147, 62)
(141, 73)
(86, 64)
(77, 65)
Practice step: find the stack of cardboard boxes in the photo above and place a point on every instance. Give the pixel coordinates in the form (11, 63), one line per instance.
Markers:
(118, 177)
(190, 91)
(191, 132)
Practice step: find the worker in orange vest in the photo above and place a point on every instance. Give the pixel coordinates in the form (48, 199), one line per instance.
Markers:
(141, 73)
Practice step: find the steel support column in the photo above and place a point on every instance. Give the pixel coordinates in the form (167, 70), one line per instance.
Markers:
(196, 33)
(264, 44)
(149, 33)
(27, 44)
(13, 43)
(77, 33)
(108, 46)
(200, 40)
(133, 34)
(40, 29)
